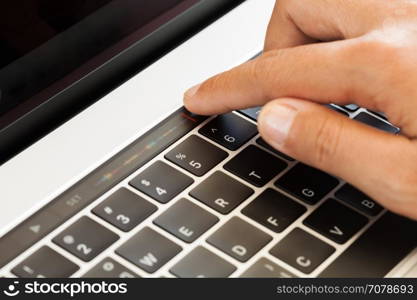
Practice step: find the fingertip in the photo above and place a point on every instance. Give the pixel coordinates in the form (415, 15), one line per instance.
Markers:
(190, 100)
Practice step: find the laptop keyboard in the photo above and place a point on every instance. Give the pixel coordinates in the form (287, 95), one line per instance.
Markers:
(217, 201)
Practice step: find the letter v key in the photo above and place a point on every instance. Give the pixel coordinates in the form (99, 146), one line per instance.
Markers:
(336, 230)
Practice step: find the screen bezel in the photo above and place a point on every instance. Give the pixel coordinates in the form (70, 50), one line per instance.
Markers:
(57, 109)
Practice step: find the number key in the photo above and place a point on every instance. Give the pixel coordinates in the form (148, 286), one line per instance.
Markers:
(85, 239)
(196, 155)
(124, 209)
(161, 182)
(230, 131)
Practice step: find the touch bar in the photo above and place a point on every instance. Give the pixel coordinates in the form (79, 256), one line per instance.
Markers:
(96, 184)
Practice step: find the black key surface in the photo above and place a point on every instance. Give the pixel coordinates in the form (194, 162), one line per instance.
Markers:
(264, 144)
(307, 183)
(302, 251)
(221, 192)
(239, 239)
(274, 210)
(202, 263)
(379, 114)
(45, 263)
(161, 182)
(196, 155)
(359, 200)
(255, 166)
(378, 250)
(85, 239)
(124, 209)
(376, 123)
(264, 268)
(252, 112)
(148, 250)
(109, 268)
(186, 221)
(336, 221)
(230, 131)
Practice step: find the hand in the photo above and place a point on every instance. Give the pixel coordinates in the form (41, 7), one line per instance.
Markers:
(334, 51)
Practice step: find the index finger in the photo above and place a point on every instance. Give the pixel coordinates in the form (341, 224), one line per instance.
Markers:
(316, 72)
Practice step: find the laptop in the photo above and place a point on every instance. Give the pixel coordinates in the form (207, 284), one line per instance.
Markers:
(130, 184)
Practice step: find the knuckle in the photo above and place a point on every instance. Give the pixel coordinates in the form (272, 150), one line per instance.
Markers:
(220, 81)
(327, 140)
(374, 50)
(383, 64)
(262, 75)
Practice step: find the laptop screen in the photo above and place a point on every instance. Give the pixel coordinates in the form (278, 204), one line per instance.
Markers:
(46, 45)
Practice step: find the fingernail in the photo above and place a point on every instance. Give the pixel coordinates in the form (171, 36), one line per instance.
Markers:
(276, 122)
(192, 91)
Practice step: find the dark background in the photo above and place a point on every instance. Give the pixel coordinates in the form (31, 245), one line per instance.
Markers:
(50, 86)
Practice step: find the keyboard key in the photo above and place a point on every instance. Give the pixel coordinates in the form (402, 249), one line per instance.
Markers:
(379, 114)
(255, 166)
(85, 239)
(264, 268)
(264, 144)
(196, 155)
(186, 221)
(359, 200)
(45, 263)
(109, 268)
(352, 107)
(274, 210)
(338, 110)
(376, 123)
(378, 250)
(302, 251)
(251, 113)
(336, 221)
(202, 263)
(230, 131)
(124, 209)
(161, 182)
(221, 192)
(307, 183)
(148, 250)
(239, 239)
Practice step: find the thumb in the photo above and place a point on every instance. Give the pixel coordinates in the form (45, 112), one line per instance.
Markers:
(376, 162)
